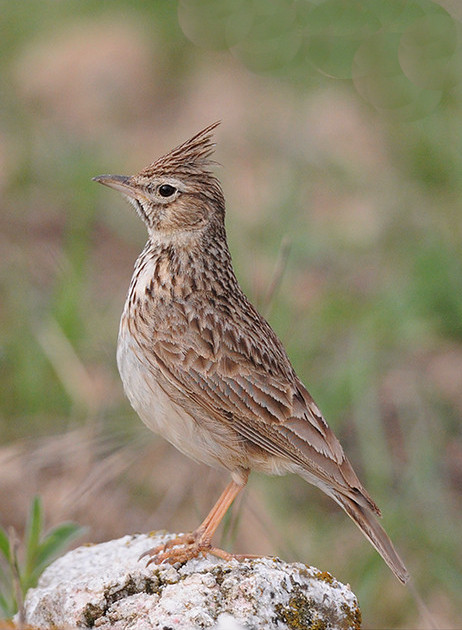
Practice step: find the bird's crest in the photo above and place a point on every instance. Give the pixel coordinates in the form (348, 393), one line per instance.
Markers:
(190, 157)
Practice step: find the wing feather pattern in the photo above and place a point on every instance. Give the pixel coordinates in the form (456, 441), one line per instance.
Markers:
(235, 378)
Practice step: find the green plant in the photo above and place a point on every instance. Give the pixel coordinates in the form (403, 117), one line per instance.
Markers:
(19, 574)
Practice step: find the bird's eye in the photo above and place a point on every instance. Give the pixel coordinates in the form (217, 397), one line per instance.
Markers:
(166, 190)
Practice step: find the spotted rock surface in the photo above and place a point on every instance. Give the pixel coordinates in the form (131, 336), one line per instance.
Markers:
(106, 586)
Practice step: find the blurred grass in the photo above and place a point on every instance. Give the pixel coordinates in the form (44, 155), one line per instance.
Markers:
(370, 304)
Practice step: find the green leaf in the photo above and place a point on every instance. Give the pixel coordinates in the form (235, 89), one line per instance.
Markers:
(52, 545)
(5, 544)
(56, 540)
(7, 606)
(34, 529)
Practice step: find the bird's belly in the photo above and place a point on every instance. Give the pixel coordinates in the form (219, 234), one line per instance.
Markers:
(163, 416)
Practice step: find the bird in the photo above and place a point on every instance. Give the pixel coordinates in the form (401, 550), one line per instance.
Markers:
(202, 367)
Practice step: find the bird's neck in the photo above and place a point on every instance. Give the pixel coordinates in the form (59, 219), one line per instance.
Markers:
(176, 268)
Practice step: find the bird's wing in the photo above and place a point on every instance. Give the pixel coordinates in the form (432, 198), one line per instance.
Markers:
(238, 372)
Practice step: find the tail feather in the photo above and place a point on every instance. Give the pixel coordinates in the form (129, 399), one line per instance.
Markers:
(374, 532)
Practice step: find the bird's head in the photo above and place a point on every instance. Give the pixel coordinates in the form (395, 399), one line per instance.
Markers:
(177, 194)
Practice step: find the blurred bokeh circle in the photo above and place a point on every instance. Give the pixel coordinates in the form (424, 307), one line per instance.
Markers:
(335, 31)
(430, 53)
(400, 56)
(379, 79)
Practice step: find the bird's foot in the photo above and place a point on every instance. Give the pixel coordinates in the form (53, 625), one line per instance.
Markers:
(187, 546)
(179, 549)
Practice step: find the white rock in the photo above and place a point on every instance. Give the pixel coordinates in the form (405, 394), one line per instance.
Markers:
(107, 587)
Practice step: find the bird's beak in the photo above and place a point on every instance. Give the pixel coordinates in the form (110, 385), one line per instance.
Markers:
(122, 183)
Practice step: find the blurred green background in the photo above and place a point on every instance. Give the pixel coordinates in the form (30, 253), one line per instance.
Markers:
(341, 146)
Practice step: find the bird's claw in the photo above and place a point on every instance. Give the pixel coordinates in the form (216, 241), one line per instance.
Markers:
(186, 547)
(179, 549)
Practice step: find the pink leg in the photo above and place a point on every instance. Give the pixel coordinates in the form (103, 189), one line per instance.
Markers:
(198, 541)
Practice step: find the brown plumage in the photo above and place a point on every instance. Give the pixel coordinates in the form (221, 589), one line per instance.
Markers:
(203, 368)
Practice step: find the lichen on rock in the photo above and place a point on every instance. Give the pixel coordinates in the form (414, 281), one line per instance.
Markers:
(107, 587)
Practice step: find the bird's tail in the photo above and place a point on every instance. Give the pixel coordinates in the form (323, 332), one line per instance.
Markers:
(374, 532)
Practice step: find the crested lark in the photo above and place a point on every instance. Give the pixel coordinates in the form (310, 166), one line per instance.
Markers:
(201, 366)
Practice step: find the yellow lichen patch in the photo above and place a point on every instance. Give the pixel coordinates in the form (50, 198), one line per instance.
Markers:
(353, 616)
(325, 576)
(299, 614)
